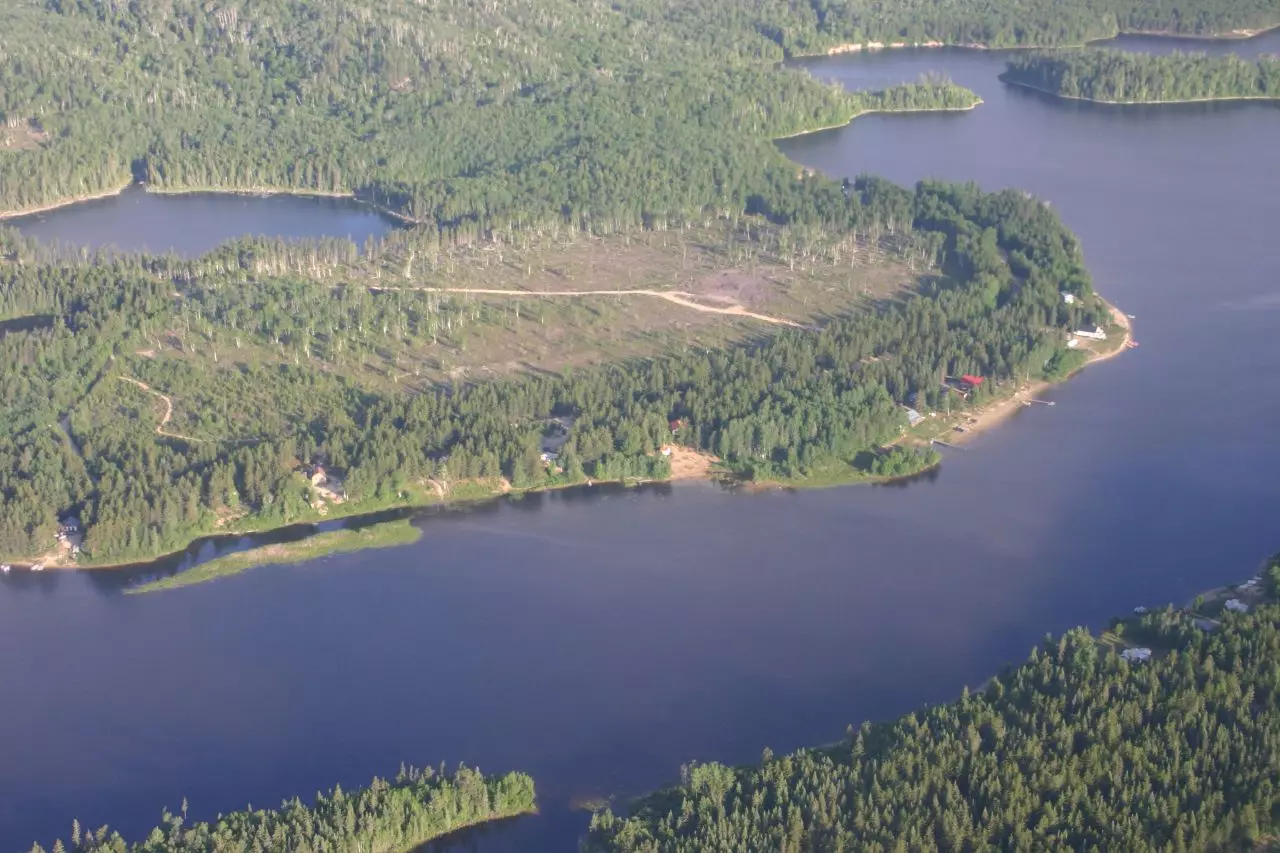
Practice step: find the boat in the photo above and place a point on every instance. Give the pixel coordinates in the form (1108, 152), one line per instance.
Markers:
(38, 567)
(5, 568)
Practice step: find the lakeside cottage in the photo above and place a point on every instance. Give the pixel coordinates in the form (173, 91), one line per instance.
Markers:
(1136, 655)
(914, 417)
(1235, 605)
(1093, 332)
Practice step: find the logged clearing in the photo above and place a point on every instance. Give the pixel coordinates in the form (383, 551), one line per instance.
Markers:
(408, 317)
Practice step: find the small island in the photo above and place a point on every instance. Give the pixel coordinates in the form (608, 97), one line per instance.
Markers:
(1116, 77)
(398, 816)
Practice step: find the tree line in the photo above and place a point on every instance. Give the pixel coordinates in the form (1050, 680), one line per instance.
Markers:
(1077, 749)
(1121, 77)
(418, 806)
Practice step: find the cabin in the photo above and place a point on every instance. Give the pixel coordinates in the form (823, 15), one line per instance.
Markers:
(970, 382)
(1136, 655)
(1139, 611)
(1235, 605)
(1068, 298)
(319, 476)
(1093, 333)
(914, 417)
(549, 456)
(69, 525)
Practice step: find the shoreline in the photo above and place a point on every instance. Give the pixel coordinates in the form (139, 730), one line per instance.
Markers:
(875, 46)
(688, 465)
(1225, 99)
(67, 202)
(862, 113)
(150, 189)
(997, 412)
(284, 191)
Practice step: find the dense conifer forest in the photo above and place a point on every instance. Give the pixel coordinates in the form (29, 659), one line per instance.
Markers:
(1119, 77)
(392, 816)
(1077, 749)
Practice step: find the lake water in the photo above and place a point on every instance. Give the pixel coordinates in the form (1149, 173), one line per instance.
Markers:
(599, 638)
(189, 225)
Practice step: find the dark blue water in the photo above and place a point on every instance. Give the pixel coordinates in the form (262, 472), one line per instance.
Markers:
(599, 638)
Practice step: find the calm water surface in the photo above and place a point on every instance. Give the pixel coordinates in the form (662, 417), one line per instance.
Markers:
(601, 637)
(189, 225)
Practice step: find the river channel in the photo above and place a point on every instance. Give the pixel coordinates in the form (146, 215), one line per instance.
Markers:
(598, 638)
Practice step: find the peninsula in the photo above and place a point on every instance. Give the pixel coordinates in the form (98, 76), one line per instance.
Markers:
(1116, 77)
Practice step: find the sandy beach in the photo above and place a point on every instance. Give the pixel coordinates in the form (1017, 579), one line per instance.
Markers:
(996, 413)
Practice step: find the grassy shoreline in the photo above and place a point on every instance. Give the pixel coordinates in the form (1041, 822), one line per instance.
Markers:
(389, 534)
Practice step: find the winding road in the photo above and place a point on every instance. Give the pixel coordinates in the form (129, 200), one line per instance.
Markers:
(168, 410)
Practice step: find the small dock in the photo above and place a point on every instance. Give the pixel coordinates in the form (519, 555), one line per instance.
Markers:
(947, 444)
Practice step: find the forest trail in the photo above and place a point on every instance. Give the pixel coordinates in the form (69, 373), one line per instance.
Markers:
(168, 411)
(64, 427)
(678, 297)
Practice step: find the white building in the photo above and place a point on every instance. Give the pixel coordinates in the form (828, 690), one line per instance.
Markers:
(1096, 333)
(1139, 610)
(1069, 298)
(1137, 655)
(1235, 605)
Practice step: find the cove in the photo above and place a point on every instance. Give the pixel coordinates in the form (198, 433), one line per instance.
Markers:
(599, 638)
(190, 224)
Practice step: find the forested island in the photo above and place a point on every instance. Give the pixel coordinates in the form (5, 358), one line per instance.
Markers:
(1158, 736)
(1117, 77)
(396, 817)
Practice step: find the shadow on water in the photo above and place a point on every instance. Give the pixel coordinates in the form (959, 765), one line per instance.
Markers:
(118, 579)
(212, 547)
(474, 838)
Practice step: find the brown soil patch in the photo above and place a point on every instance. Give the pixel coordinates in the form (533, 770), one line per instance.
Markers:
(732, 286)
(690, 464)
(24, 137)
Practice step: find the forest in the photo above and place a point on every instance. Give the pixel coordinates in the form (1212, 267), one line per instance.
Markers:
(1076, 749)
(1134, 78)
(418, 806)
(456, 112)
(80, 441)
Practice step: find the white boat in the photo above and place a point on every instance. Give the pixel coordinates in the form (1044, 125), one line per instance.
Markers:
(5, 568)
(38, 567)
